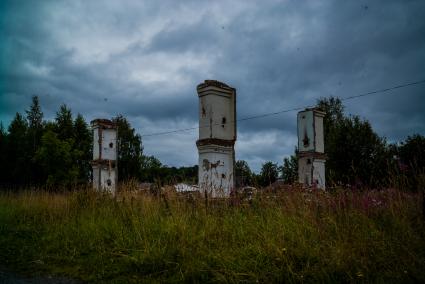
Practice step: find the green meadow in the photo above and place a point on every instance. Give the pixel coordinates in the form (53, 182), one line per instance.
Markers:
(290, 235)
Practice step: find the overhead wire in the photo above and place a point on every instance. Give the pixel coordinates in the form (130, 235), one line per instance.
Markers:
(288, 110)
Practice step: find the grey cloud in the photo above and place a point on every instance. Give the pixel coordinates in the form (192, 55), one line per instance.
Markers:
(144, 60)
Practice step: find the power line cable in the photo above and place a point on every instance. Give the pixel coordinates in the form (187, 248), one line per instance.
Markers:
(289, 110)
(384, 90)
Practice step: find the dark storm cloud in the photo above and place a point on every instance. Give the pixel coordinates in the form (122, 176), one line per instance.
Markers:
(144, 60)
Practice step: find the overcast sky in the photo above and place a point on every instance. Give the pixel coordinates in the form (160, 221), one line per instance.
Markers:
(143, 59)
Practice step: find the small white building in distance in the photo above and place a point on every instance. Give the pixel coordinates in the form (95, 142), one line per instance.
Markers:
(311, 148)
(217, 136)
(104, 164)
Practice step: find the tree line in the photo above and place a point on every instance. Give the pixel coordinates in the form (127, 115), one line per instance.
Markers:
(357, 156)
(58, 153)
(36, 152)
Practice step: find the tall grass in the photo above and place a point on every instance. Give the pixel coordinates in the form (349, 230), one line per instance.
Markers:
(288, 236)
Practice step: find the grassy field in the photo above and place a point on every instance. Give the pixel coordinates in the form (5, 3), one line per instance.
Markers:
(290, 236)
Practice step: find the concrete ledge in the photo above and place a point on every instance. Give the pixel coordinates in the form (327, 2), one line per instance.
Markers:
(315, 155)
(104, 123)
(215, 141)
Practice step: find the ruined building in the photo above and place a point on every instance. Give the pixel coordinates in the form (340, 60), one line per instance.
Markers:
(311, 148)
(104, 164)
(217, 136)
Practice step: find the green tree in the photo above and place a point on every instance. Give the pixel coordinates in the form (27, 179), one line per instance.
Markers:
(35, 131)
(151, 169)
(334, 110)
(243, 174)
(35, 122)
(356, 154)
(188, 174)
(269, 173)
(290, 169)
(334, 115)
(56, 156)
(412, 152)
(49, 125)
(64, 123)
(130, 150)
(411, 163)
(17, 151)
(82, 148)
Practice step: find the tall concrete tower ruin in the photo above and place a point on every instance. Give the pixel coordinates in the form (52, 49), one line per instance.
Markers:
(311, 148)
(217, 137)
(104, 164)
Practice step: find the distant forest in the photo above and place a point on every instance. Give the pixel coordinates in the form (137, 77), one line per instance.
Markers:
(57, 154)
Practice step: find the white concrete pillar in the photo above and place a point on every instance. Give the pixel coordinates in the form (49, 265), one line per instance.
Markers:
(217, 137)
(311, 148)
(104, 164)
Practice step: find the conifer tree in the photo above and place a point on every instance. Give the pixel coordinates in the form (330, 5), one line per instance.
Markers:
(35, 122)
(83, 148)
(17, 151)
(64, 123)
(35, 131)
(130, 150)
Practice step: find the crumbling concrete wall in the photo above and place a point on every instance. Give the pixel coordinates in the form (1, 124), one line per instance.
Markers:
(311, 148)
(217, 136)
(216, 170)
(104, 164)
